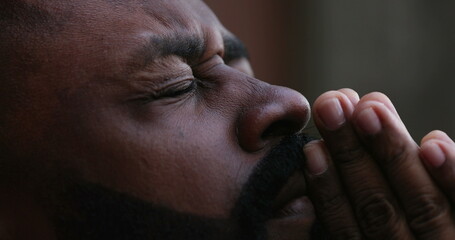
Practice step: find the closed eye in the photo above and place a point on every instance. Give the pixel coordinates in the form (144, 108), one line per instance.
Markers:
(175, 91)
(172, 93)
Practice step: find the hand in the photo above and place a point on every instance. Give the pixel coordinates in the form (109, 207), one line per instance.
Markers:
(368, 179)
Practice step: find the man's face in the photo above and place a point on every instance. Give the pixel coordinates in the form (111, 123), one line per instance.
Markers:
(153, 100)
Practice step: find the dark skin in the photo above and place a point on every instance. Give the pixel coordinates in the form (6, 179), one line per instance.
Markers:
(107, 104)
(94, 93)
(378, 183)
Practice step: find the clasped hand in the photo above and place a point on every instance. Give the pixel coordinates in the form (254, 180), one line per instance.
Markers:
(368, 179)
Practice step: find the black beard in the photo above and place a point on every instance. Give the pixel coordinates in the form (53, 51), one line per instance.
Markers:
(254, 206)
(101, 213)
(96, 212)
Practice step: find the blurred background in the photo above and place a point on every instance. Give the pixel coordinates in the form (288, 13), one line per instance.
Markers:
(405, 49)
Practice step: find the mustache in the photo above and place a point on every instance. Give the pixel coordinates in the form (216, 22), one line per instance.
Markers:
(253, 207)
(94, 212)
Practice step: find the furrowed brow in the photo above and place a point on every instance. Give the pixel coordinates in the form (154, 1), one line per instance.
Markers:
(188, 47)
(234, 49)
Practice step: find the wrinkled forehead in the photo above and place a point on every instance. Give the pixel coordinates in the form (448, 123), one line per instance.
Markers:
(79, 33)
(50, 48)
(174, 14)
(168, 13)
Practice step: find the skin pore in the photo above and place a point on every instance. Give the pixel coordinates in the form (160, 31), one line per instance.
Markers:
(114, 108)
(142, 119)
(106, 214)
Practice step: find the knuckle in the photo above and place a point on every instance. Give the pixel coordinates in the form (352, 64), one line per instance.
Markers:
(397, 156)
(427, 214)
(349, 155)
(333, 203)
(378, 215)
(335, 211)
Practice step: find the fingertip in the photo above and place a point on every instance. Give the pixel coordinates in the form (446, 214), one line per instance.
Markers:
(367, 117)
(341, 96)
(374, 117)
(368, 121)
(432, 154)
(316, 157)
(352, 95)
(325, 96)
(331, 114)
(438, 135)
(332, 109)
(382, 98)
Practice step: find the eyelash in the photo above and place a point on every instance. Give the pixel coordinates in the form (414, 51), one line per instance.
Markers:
(171, 93)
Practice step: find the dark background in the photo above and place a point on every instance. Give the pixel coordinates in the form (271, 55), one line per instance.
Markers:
(405, 49)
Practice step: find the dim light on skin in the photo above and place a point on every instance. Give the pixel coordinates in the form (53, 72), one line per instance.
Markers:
(145, 107)
(127, 120)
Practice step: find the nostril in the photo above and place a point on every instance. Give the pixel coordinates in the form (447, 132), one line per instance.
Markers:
(281, 128)
(282, 112)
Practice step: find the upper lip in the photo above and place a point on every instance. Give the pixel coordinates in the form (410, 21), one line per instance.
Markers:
(293, 189)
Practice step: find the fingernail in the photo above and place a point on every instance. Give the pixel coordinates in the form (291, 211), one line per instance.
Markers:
(316, 162)
(369, 122)
(433, 154)
(332, 114)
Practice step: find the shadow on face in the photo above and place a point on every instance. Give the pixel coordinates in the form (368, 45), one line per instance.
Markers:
(152, 107)
(101, 213)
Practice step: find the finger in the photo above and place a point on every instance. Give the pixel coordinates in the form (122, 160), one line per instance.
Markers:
(352, 95)
(336, 108)
(382, 132)
(438, 153)
(324, 188)
(374, 206)
(437, 134)
(377, 96)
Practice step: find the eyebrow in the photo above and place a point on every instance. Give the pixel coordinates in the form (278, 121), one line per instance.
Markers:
(234, 49)
(188, 47)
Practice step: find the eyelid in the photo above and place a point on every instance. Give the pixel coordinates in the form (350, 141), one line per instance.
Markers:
(206, 66)
(164, 78)
(177, 88)
(179, 83)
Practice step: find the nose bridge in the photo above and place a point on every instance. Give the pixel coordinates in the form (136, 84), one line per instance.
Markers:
(270, 113)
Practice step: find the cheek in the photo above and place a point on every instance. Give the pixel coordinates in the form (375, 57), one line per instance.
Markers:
(172, 163)
(195, 171)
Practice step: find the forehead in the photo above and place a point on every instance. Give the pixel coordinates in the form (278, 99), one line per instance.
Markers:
(175, 14)
(178, 8)
(169, 13)
(160, 16)
(91, 33)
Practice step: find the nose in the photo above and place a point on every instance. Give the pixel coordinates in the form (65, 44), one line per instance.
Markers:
(277, 113)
